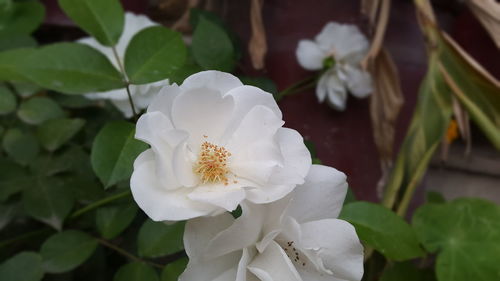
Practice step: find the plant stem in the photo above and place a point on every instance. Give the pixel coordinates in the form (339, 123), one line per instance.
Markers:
(127, 83)
(25, 236)
(126, 254)
(99, 203)
(298, 86)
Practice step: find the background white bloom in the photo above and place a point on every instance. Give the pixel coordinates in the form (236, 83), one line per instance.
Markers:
(297, 238)
(346, 45)
(214, 143)
(141, 94)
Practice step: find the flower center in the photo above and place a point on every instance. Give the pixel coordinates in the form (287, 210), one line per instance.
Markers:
(294, 254)
(212, 164)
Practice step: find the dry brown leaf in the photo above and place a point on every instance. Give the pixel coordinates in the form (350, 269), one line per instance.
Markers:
(378, 38)
(257, 47)
(488, 13)
(463, 122)
(385, 103)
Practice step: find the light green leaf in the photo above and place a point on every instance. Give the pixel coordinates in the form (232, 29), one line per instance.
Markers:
(8, 101)
(48, 200)
(56, 132)
(38, 110)
(22, 147)
(173, 270)
(383, 230)
(71, 68)
(212, 47)
(66, 250)
(13, 179)
(111, 221)
(158, 239)
(103, 19)
(23, 18)
(154, 54)
(406, 272)
(136, 272)
(25, 266)
(114, 151)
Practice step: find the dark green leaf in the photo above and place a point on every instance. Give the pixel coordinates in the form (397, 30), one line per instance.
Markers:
(56, 132)
(71, 68)
(263, 83)
(114, 151)
(7, 101)
(17, 41)
(172, 271)
(11, 62)
(212, 47)
(434, 197)
(350, 196)
(136, 272)
(406, 272)
(21, 147)
(25, 89)
(158, 239)
(23, 18)
(13, 179)
(103, 19)
(111, 221)
(6, 214)
(154, 54)
(189, 68)
(383, 230)
(65, 251)
(38, 110)
(25, 266)
(48, 200)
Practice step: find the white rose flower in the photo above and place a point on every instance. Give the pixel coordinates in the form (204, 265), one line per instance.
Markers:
(297, 238)
(141, 94)
(345, 46)
(214, 143)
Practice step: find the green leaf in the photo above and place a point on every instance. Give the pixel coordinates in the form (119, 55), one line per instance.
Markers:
(25, 266)
(212, 47)
(56, 132)
(71, 68)
(13, 179)
(263, 83)
(8, 101)
(22, 147)
(434, 197)
(49, 201)
(383, 230)
(158, 239)
(466, 235)
(111, 221)
(38, 110)
(406, 272)
(103, 19)
(154, 54)
(66, 250)
(23, 18)
(114, 151)
(7, 212)
(11, 62)
(189, 68)
(17, 41)
(136, 271)
(173, 270)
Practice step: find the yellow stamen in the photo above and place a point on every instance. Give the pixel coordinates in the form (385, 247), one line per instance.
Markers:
(212, 164)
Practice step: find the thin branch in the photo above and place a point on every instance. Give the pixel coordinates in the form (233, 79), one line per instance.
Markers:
(127, 83)
(99, 203)
(126, 254)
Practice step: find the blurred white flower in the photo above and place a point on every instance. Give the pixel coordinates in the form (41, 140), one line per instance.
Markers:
(344, 46)
(297, 238)
(141, 94)
(214, 143)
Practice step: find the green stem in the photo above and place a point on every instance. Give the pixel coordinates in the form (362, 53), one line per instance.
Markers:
(99, 203)
(25, 236)
(298, 86)
(127, 83)
(126, 254)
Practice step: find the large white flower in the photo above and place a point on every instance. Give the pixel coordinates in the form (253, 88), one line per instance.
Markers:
(297, 238)
(345, 46)
(214, 143)
(141, 94)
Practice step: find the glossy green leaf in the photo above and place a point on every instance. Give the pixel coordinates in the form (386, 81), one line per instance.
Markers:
(158, 239)
(13, 179)
(48, 200)
(173, 270)
(466, 235)
(114, 152)
(136, 272)
(103, 19)
(71, 68)
(11, 62)
(56, 132)
(66, 250)
(8, 101)
(22, 147)
(383, 230)
(112, 220)
(38, 110)
(154, 54)
(406, 272)
(22, 18)
(25, 266)
(212, 47)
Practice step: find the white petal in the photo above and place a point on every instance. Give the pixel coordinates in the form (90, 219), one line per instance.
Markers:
(182, 164)
(345, 41)
(200, 231)
(274, 265)
(359, 82)
(133, 24)
(309, 55)
(144, 94)
(326, 188)
(313, 275)
(211, 79)
(322, 88)
(243, 274)
(123, 106)
(219, 269)
(164, 100)
(227, 197)
(246, 97)
(336, 92)
(338, 246)
(157, 202)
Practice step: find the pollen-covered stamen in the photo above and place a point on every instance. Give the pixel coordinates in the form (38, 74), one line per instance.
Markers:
(212, 164)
